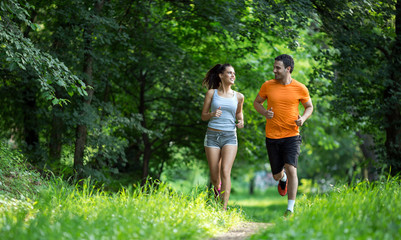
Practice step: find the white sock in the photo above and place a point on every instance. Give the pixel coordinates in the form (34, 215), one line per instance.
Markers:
(291, 204)
(284, 178)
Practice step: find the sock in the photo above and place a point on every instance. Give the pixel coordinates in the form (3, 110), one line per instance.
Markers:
(291, 204)
(284, 178)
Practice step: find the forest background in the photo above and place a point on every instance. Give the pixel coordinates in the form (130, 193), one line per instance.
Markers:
(112, 89)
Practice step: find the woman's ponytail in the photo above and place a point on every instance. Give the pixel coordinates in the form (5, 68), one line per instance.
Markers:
(212, 79)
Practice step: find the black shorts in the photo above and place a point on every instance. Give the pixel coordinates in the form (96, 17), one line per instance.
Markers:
(282, 151)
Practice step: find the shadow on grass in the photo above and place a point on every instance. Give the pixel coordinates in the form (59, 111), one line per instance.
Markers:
(261, 206)
(264, 214)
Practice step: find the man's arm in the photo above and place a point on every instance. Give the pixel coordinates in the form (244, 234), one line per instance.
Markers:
(307, 113)
(258, 105)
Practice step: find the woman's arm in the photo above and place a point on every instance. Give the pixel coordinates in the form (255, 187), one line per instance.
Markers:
(239, 114)
(206, 114)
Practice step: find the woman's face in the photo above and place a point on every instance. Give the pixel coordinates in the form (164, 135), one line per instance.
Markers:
(228, 76)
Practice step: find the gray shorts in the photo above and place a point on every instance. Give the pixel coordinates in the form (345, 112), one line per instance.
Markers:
(218, 139)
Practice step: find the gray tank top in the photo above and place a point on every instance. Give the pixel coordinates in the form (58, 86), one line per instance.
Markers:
(226, 122)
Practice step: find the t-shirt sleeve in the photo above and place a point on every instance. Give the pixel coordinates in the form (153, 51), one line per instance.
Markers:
(262, 91)
(304, 94)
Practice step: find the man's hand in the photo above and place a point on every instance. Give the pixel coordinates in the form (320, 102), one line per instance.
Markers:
(300, 121)
(269, 113)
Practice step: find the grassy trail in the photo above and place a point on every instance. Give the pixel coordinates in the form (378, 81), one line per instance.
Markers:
(264, 207)
(31, 208)
(261, 210)
(362, 211)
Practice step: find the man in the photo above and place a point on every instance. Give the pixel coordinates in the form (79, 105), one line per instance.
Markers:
(283, 142)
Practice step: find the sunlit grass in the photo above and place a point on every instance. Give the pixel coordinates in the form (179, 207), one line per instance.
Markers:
(84, 212)
(33, 208)
(363, 211)
(262, 206)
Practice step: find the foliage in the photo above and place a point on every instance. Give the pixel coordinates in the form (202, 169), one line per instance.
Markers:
(147, 60)
(17, 180)
(22, 55)
(361, 211)
(359, 53)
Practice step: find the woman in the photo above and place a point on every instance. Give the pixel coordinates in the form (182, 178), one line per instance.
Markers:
(222, 107)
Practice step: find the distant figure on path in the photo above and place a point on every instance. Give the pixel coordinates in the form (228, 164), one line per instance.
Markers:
(283, 142)
(222, 107)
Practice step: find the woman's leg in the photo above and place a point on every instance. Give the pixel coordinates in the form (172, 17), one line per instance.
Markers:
(213, 159)
(228, 154)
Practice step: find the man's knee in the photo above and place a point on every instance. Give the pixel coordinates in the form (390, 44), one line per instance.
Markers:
(278, 176)
(290, 170)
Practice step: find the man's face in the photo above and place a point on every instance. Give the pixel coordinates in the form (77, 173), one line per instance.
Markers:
(279, 71)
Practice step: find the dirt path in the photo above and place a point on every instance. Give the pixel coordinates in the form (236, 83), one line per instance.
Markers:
(242, 231)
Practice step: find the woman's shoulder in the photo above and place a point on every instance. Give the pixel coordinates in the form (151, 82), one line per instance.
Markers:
(240, 96)
(210, 93)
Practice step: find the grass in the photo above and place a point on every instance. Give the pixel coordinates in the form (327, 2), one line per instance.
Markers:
(32, 208)
(17, 181)
(363, 211)
(56, 210)
(262, 206)
(153, 212)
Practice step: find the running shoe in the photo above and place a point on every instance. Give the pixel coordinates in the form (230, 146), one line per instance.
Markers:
(282, 187)
(217, 191)
(288, 213)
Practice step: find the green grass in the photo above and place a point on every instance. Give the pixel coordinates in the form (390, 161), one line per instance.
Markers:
(31, 208)
(17, 181)
(155, 212)
(364, 211)
(264, 206)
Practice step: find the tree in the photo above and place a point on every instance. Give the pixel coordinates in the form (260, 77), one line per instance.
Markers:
(357, 44)
(30, 74)
(365, 44)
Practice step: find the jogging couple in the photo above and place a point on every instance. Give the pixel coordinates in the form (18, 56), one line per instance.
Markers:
(223, 109)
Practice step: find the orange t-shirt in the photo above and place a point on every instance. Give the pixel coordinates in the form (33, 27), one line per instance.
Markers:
(285, 100)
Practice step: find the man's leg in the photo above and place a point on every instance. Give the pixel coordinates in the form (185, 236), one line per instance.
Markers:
(292, 187)
(292, 148)
(277, 164)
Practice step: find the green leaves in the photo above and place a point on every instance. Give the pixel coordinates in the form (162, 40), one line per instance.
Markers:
(21, 53)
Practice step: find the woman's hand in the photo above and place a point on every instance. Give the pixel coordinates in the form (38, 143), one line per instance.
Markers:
(240, 124)
(217, 113)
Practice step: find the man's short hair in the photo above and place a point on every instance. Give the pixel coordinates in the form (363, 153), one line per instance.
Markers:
(287, 60)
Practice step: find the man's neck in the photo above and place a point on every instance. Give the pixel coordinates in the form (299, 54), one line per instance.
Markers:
(286, 81)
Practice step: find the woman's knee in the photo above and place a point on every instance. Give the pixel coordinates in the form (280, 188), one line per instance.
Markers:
(225, 173)
(215, 181)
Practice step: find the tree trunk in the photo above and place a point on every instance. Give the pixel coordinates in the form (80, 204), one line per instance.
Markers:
(252, 186)
(145, 137)
(30, 122)
(368, 151)
(31, 135)
(393, 115)
(55, 141)
(81, 130)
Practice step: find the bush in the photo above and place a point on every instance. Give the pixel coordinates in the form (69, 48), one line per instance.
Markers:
(17, 181)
